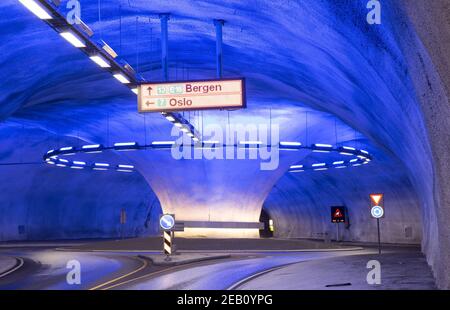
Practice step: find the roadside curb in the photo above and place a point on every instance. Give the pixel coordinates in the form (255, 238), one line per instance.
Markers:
(158, 260)
(17, 266)
(213, 251)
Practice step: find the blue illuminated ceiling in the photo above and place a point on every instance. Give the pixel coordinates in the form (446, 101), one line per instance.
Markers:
(319, 57)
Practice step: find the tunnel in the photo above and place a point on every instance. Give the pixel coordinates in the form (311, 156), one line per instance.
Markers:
(316, 73)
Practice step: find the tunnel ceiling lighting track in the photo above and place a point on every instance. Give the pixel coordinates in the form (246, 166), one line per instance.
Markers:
(73, 39)
(79, 34)
(37, 9)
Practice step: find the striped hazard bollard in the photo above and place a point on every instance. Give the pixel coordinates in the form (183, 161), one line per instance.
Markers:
(167, 223)
(168, 243)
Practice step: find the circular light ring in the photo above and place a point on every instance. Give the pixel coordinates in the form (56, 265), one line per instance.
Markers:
(358, 157)
(53, 157)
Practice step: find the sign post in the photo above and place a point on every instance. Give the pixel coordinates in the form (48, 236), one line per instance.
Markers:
(338, 216)
(191, 95)
(166, 224)
(377, 212)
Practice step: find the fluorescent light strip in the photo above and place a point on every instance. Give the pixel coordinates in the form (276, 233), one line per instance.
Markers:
(93, 146)
(178, 125)
(99, 169)
(345, 153)
(61, 165)
(68, 148)
(340, 167)
(63, 160)
(126, 166)
(121, 78)
(323, 145)
(364, 152)
(125, 144)
(290, 144)
(321, 151)
(73, 39)
(82, 163)
(294, 171)
(76, 167)
(36, 9)
(99, 60)
(170, 118)
(338, 162)
(163, 142)
(101, 165)
(354, 160)
(356, 165)
(135, 90)
(349, 148)
(321, 169)
(124, 170)
(296, 167)
(319, 165)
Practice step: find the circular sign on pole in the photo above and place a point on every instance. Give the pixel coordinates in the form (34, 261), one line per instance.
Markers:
(377, 212)
(167, 221)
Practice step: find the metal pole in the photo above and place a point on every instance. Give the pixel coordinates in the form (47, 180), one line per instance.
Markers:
(379, 238)
(337, 231)
(164, 45)
(219, 42)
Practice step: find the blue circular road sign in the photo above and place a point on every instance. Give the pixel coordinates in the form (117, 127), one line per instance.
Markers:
(167, 222)
(377, 212)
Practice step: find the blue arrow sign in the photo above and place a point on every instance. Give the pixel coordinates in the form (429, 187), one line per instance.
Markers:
(167, 222)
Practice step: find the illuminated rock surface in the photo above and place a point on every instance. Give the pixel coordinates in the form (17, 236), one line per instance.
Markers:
(377, 81)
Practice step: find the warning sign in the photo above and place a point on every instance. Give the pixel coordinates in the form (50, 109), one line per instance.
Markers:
(338, 215)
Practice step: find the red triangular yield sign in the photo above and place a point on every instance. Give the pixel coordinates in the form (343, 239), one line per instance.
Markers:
(376, 198)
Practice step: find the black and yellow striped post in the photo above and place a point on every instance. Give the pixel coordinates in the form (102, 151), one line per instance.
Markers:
(168, 244)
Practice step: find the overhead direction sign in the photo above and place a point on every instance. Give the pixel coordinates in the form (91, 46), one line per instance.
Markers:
(191, 95)
(338, 214)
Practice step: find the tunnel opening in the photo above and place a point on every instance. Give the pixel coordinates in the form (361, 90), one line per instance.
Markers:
(267, 230)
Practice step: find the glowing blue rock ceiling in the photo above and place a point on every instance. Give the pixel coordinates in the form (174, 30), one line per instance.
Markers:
(299, 57)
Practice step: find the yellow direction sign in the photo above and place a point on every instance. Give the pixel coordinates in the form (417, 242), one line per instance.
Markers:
(191, 95)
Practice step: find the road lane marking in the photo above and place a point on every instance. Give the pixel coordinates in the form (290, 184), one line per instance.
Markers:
(21, 262)
(256, 275)
(144, 265)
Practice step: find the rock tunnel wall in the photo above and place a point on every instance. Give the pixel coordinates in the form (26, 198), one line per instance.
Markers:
(39, 202)
(370, 77)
